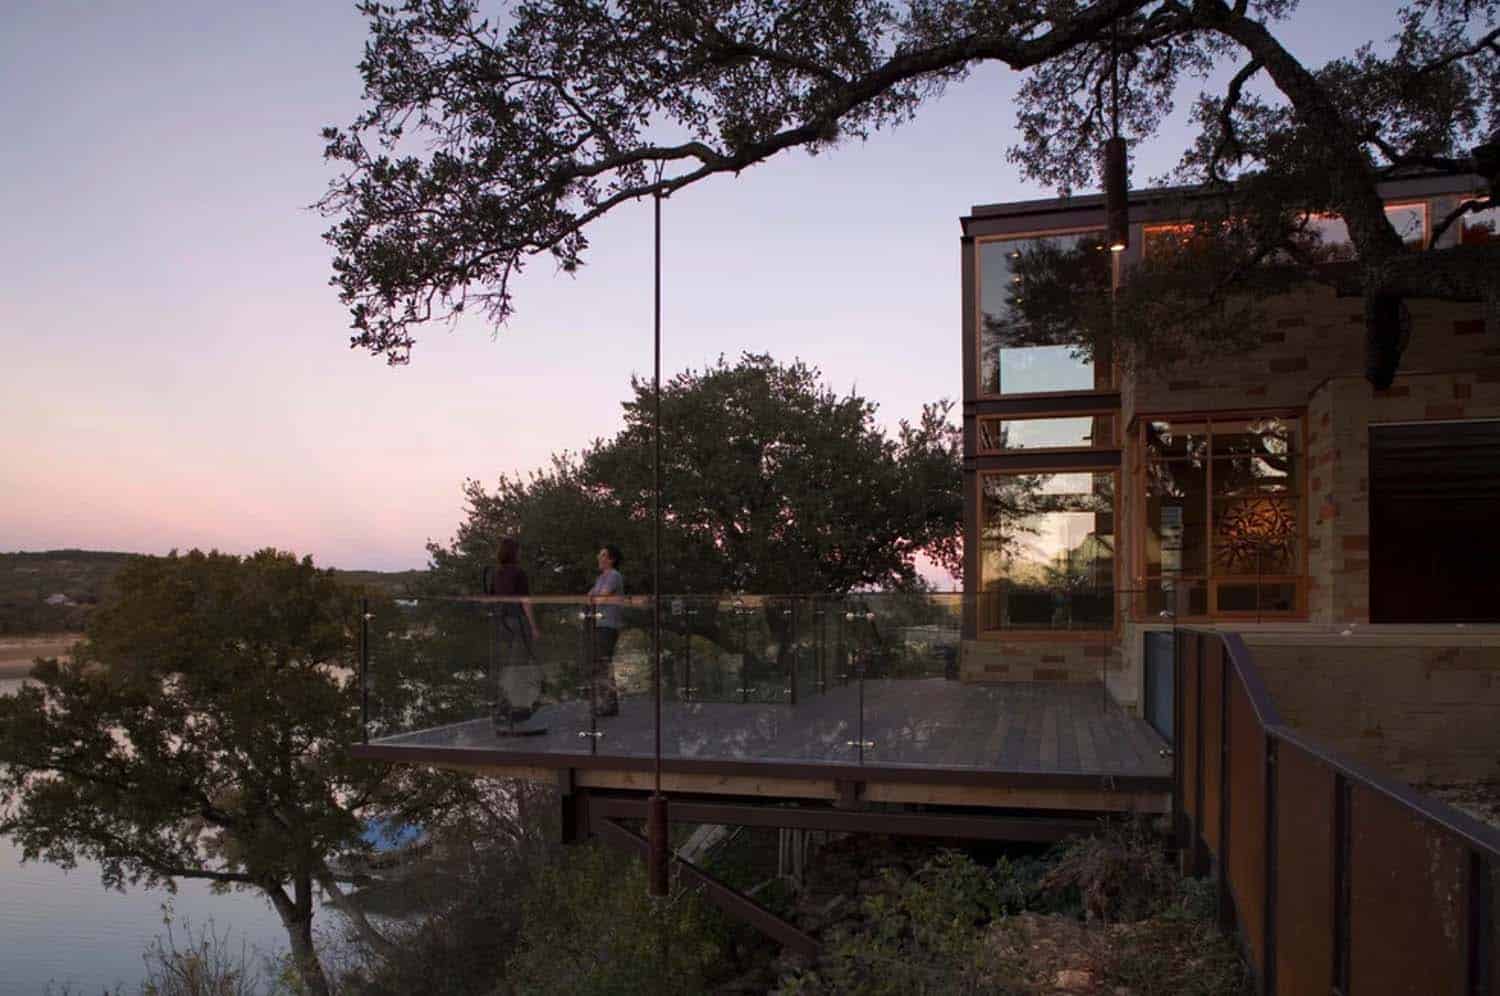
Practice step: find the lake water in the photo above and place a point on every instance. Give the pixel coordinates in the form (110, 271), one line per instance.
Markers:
(64, 927)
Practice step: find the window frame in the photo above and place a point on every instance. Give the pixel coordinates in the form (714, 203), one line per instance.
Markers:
(1424, 205)
(1138, 466)
(977, 309)
(1112, 444)
(976, 495)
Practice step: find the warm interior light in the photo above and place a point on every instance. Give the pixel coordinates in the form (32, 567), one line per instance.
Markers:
(1118, 247)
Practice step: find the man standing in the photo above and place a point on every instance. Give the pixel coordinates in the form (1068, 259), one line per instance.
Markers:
(606, 597)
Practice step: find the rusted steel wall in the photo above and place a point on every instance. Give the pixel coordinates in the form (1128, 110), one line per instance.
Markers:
(1494, 925)
(1338, 880)
(1213, 734)
(1247, 820)
(1304, 871)
(1408, 900)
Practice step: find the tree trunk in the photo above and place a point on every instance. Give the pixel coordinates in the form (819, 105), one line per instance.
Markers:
(296, 917)
(356, 916)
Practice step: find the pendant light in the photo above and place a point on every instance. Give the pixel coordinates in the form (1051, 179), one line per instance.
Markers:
(1116, 175)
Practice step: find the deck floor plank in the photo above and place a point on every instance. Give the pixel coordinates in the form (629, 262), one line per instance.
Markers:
(927, 722)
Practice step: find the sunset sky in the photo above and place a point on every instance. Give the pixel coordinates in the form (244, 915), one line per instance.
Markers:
(175, 368)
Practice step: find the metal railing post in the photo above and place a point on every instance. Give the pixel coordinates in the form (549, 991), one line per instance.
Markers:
(364, 668)
(1221, 864)
(1481, 905)
(1342, 841)
(1268, 970)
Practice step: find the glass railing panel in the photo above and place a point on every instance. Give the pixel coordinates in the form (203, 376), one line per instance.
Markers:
(482, 672)
(869, 679)
(428, 669)
(905, 651)
(754, 678)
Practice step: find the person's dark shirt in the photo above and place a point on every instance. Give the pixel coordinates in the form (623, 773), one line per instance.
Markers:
(510, 580)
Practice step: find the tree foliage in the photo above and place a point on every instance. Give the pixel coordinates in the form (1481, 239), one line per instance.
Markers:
(200, 731)
(772, 483)
(487, 140)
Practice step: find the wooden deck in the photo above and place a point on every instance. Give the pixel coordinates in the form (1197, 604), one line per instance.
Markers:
(919, 726)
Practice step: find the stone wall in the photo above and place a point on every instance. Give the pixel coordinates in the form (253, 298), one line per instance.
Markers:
(1077, 660)
(1312, 356)
(1338, 459)
(1310, 336)
(1424, 707)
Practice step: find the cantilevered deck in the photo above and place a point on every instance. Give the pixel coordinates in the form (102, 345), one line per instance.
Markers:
(848, 702)
(1050, 746)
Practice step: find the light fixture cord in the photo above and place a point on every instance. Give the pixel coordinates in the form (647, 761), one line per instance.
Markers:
(656, 490)
(1114, 79)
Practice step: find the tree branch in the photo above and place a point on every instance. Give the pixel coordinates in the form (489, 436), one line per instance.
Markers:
(1404, 160)
(1351, 179)
(1473, 205)
(1229, 141)
(377, 941)
(1489, 41)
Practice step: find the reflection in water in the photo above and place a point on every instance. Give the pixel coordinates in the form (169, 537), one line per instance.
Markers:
(64, 927)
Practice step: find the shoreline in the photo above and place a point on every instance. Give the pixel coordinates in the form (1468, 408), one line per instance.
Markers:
(17, 653)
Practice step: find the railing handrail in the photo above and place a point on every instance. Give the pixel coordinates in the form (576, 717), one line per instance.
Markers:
(1479, 835)
(1249, 675)
(645, 600)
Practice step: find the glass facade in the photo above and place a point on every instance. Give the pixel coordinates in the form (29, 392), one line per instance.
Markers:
(1047, 549)
(1036, 296)
(1480, 227)
(999, 435)
(1222, 514)
(1409, 221)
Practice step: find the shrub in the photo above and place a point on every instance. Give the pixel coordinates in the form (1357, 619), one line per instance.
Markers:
(1118, 874)
(460, 945)
(587, 926)
(920, 936)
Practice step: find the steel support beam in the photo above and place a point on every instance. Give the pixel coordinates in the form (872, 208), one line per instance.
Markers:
(732, 903)
(1043, 829)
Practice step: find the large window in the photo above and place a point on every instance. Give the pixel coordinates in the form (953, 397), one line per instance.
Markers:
(1328, 235)
(1223, 529)
(1002, 435)
(1480, 228)
(1047, 551)
(1042, 304)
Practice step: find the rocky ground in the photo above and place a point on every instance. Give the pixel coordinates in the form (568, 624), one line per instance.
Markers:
(855, 883)
(1480, 800)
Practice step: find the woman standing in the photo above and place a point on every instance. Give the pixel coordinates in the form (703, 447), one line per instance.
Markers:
(606, 596)
(517, 675)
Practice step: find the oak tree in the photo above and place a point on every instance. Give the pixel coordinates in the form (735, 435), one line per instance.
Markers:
(201, 731)
(491, 137)
(774, 484)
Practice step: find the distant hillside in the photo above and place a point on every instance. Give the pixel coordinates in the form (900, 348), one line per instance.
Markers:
(30, 584)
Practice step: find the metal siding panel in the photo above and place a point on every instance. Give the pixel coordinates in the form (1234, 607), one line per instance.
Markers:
(1247, 820)
(1213, 739)
(1407, 901)
(1304, 872)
